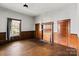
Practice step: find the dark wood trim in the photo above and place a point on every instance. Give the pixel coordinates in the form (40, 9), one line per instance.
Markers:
(2, 36)
(14, 19)
(42, 30)
(24, 36)
(27, 35)
(47, 23)
(64, 20)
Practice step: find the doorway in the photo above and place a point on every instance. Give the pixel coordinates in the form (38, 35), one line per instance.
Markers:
(64, 32)
(64, 27)
(48, 32)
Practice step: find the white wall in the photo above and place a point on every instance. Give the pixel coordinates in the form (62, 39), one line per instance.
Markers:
(69, 12)
(27, 21)
(77, 21)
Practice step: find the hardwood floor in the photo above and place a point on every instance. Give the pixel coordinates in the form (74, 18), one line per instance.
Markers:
(32, 47)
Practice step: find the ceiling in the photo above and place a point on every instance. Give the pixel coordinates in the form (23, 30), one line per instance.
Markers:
(34, 9)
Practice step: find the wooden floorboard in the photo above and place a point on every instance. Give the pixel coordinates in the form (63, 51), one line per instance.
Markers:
(35, 48)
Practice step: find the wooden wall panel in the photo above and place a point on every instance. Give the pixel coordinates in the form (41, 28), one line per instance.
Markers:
(72, 40)
(2, 35)
(24, 35)
(27, 34)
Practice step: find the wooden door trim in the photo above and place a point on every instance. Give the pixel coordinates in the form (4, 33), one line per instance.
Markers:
(52, 31)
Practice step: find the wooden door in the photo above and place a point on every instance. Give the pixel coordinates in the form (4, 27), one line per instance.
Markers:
(64, 27)
(63, 31)
(37, 31)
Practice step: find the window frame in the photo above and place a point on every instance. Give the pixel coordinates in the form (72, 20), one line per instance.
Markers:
(9, 20)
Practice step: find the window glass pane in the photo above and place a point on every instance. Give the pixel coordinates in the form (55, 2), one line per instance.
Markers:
(15, 28)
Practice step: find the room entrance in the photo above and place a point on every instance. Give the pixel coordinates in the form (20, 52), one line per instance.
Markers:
(47, 32)
(64, 27)
(37, 31)
(64, 31)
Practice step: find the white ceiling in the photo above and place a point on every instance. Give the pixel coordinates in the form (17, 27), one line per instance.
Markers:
(34, 9)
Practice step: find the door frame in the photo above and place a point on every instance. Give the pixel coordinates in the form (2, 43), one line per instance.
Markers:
(51, 23)
(69, 25)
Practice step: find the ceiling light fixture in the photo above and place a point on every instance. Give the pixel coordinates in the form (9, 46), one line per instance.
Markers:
(25, 5)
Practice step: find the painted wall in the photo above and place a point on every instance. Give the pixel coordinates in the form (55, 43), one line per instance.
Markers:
(27, 21)
(69, 12)
(77, 21)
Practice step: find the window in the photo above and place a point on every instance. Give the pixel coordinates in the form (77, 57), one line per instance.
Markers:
(13, 27)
